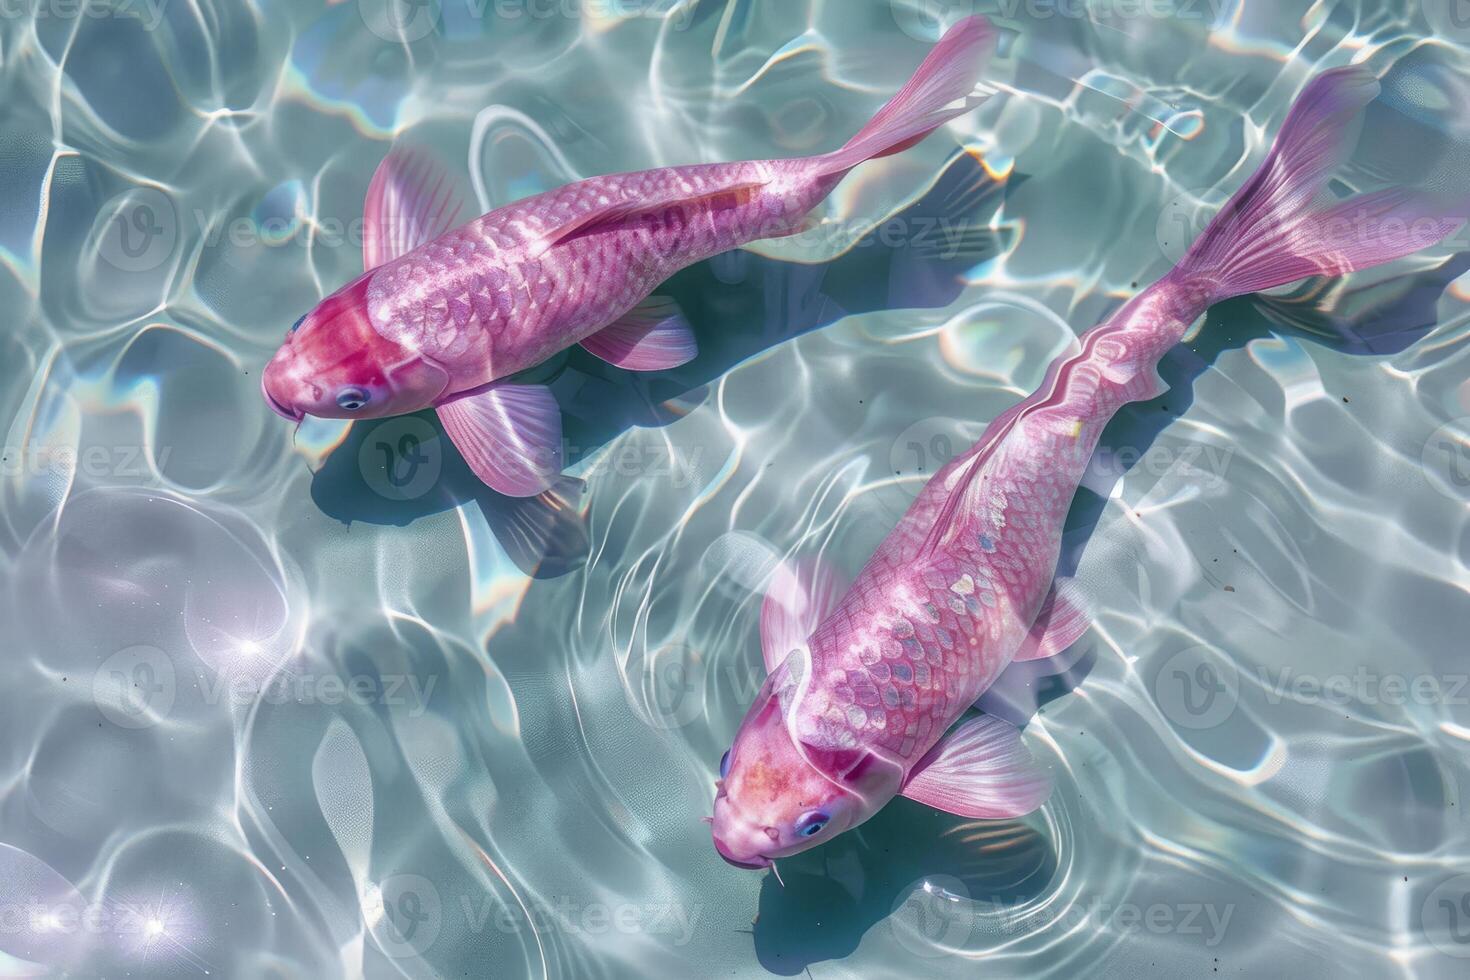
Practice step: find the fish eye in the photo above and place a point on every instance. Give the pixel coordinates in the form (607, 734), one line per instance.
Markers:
(725, 764)
(351, 399)
(811, 823)
(297, 325)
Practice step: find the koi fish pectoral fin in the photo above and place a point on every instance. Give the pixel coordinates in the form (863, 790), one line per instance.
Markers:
(411, 200)
(982, 770)
(1064, 617)
(510, 435)
(653, 336)
(800, 596)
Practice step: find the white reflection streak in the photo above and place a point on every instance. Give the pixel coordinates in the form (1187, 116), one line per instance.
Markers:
(492, 116)
(530, 919)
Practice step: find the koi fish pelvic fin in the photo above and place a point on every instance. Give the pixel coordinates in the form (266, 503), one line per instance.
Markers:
(1063, 619)
(653, 336)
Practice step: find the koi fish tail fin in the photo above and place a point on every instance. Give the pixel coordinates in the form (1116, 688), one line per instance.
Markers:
(943, 88)
(1282, 226)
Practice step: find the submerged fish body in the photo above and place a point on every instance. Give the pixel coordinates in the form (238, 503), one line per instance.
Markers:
(866, 684)
(446, 314)
(504, 292)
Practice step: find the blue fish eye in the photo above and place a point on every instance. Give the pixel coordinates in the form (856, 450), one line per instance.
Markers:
(297, 325)
(725, 764)
(811, 823)
(351, 399)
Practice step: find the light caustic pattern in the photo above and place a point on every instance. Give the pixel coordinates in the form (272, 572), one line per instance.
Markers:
(288, 704)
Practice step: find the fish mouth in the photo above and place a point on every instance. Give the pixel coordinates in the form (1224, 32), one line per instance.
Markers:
(760, 863)
(745, 865)
(277, 407)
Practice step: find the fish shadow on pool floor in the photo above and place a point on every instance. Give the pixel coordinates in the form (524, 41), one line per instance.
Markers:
(740, 304)
(1409, 139)
(835, 893)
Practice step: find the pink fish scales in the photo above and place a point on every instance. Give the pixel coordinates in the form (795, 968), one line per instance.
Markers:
(868, 685)
(446, 314)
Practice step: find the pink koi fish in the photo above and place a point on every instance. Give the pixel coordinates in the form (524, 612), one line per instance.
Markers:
(445, 317)
(864, 687)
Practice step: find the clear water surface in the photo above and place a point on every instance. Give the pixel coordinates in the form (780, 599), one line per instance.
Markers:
(316, 704)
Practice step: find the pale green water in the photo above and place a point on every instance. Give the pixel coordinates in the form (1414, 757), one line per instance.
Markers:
(276, 708)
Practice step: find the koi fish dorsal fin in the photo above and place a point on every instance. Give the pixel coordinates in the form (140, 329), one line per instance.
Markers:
(982, 770)
(510, 435)
(411, 200)
(964, 486)
(652, 336)
(657, 210)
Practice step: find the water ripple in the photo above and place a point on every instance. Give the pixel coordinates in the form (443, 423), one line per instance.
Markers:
(267, 712)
